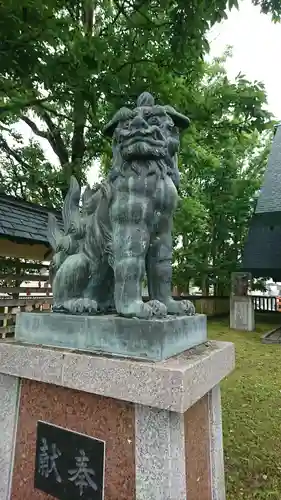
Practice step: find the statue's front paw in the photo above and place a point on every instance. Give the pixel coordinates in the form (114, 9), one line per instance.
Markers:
(188, 307)
(141, 310)
(180, 307)
(135, 309)
(159, 310)
(89, 306)
(77, 306)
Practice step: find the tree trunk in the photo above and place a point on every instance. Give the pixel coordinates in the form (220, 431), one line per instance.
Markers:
(205, 286)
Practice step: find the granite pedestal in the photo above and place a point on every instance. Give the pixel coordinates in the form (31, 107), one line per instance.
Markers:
(160, 421)
(242, 313)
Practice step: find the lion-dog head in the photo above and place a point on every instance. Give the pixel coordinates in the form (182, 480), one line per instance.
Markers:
(145, 134)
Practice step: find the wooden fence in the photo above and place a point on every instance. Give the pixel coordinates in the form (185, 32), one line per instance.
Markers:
(9, 308)
(14, 299)
(210, 305)
(11, 305)
(216, 306)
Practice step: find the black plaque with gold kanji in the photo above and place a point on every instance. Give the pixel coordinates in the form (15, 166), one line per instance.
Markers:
(69, 465)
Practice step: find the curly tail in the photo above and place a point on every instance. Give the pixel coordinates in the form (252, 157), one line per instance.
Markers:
(66, 242)
(96, 205)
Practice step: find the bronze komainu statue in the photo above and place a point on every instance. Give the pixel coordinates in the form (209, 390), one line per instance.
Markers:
(123, 229)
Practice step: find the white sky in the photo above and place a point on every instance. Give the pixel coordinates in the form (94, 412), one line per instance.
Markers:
(256, 43)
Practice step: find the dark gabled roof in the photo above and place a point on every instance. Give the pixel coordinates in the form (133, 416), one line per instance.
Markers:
(21, 220)
(262, 251)
(269, 201)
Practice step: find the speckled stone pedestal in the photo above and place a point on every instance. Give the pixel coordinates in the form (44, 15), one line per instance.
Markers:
(161, 421)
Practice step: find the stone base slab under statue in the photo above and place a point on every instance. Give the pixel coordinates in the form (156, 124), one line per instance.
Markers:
(160, 421)
(149, 339)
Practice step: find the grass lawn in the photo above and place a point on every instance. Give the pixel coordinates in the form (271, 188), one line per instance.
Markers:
(251, 399)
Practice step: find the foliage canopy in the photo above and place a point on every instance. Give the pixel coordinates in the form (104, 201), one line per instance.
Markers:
(66, 66)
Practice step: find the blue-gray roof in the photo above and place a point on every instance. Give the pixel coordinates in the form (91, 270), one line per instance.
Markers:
(21, 220)
(269, 201)
(262, 251)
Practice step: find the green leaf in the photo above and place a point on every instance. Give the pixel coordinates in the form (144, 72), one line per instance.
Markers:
(233, 3)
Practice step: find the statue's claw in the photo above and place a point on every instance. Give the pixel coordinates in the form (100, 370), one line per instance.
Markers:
(180, 307)
(159, 309)
(76, 306)
(139, 309)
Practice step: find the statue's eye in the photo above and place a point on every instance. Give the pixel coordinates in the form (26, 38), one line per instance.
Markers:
(153, 120)
(173, 129)
(125, 124)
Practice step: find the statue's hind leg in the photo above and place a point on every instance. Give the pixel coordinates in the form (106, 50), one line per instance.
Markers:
(101, 286)
(106, 302)
(70, 285)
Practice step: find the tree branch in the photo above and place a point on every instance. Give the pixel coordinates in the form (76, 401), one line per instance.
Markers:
(34, 127)
(112, 23)
(20, 105)
(79, 107)
(79, 115)
(132, 62)
(18, 178)
(12, 133)
(137, 6)
(121, 9)
(16, 156)
(54, 112)
(88, 16)
(54, 137)
(5, 146)
(6, 129)
(71, 13)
